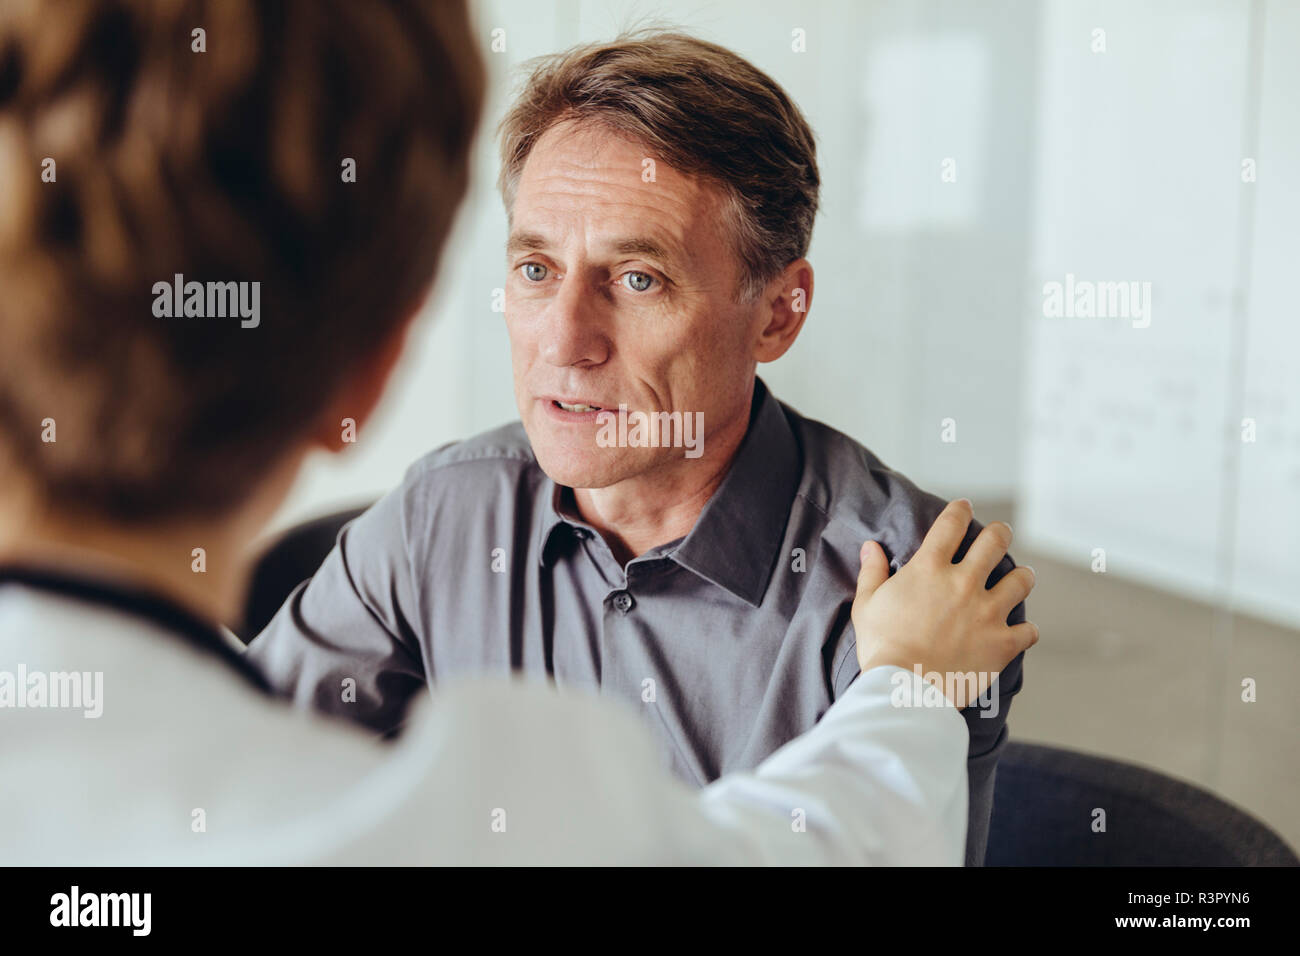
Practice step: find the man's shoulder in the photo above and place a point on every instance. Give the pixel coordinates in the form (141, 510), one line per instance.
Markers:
(487, 465)
(506, 446)
(858, 493)
(489, 485)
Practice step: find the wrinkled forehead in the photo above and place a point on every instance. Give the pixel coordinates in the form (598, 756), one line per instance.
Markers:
(588, 177)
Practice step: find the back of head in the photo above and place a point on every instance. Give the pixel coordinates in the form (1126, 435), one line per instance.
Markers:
(142, 140)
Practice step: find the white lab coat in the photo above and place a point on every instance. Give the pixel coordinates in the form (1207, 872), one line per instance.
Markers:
(189, 764)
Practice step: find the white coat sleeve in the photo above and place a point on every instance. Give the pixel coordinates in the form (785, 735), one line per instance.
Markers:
(508, 773)
(880, 780)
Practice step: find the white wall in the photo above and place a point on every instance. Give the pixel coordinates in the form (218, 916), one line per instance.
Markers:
(1265, 574)
(1135, 441)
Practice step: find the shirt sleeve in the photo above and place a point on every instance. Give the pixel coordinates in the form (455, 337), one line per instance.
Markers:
(345, 642)
(498, 774)
(986, 721)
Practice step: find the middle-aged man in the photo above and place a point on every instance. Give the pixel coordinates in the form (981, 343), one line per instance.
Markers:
(661, 193)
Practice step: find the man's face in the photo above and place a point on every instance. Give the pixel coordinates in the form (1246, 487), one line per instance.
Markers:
(620, 291)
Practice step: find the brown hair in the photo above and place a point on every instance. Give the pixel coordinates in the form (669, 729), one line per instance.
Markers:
(224, 165)
(701, 108)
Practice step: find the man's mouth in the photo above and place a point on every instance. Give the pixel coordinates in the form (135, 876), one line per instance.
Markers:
(576, 407)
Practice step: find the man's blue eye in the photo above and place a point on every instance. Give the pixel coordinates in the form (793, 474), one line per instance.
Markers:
(638, 281)
(534, 271)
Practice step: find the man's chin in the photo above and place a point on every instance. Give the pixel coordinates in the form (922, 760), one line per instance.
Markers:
(575, 473)
(584, 468)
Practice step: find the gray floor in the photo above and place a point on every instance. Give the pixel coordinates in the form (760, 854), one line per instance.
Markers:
(1125, 670)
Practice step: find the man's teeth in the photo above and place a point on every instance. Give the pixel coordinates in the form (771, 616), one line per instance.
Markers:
(578, 408)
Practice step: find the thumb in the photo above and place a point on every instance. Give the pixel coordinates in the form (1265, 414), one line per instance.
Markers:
(875, 570)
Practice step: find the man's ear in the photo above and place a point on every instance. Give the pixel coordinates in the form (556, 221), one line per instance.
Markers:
(357, 397)
(784, 305)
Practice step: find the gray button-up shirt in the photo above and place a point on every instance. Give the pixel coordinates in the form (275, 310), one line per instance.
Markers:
(730, 641)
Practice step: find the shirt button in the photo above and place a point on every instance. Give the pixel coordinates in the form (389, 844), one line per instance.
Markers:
(623, 601)
(580, 534)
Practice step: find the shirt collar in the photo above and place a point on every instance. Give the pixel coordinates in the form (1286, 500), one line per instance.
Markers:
(145, 604)
(549, 519)
(735, 539)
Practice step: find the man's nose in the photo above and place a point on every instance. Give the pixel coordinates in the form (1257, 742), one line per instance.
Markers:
(573, 333)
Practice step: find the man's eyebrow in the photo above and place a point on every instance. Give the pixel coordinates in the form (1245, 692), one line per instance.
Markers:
(525, 242)
(630, 246)
(641, 246)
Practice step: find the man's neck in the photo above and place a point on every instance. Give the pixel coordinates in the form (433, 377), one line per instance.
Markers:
(654, 508)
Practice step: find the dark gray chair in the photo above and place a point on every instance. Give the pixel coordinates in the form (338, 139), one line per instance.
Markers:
(1043, 801)
(292, 559)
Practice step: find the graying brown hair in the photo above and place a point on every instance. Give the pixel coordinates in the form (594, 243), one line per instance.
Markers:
(704, 110)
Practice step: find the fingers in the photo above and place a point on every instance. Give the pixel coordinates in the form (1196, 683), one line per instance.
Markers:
(948, 531)
(988, 548)
(1023, 637)
(1013, 588)
(874, 571)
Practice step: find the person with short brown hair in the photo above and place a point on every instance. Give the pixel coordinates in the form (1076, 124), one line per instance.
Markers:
(160, 153)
